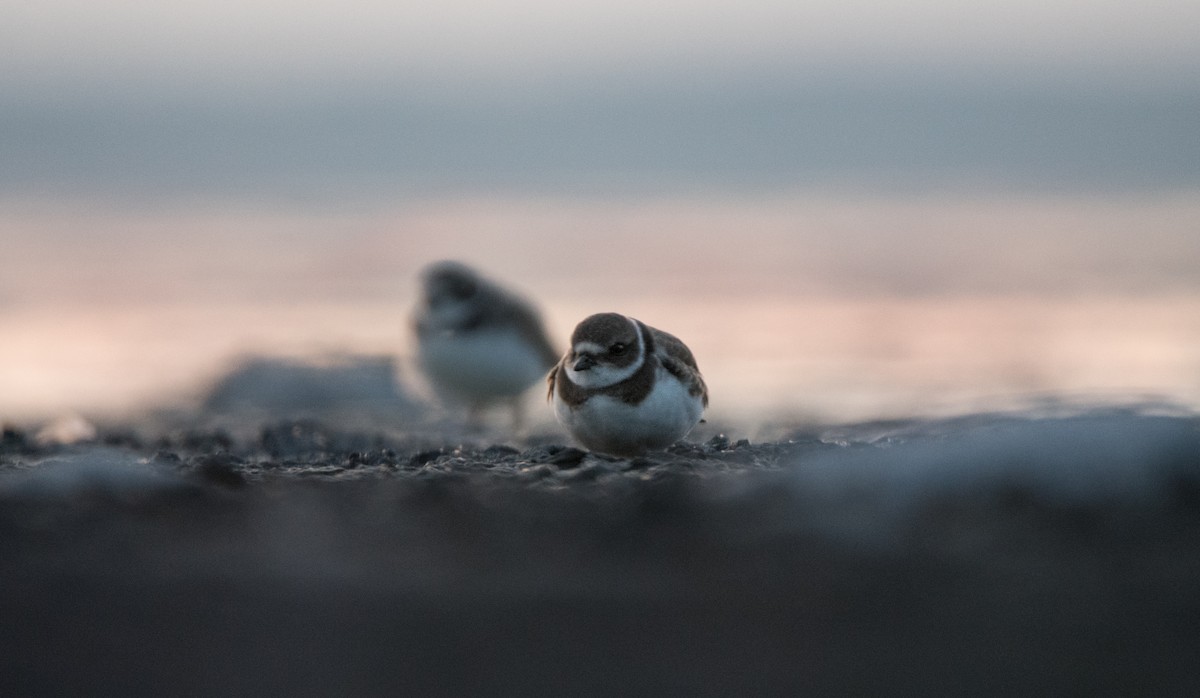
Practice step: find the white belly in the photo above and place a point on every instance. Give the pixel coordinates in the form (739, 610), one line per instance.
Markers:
(479, 367)
(608, 425)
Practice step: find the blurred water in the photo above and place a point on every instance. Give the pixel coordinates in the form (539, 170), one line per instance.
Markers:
(818, 306)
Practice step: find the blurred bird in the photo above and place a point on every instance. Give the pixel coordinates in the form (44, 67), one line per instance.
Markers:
(624, 387)
(478, 343)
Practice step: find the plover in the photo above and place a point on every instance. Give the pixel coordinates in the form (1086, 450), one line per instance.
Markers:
(478, 343)
(624, 387)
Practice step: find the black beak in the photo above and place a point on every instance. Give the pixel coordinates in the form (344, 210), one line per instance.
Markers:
(584, 362)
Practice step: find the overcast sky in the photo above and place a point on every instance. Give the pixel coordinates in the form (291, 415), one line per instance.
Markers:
(264, 40)
(228, 98)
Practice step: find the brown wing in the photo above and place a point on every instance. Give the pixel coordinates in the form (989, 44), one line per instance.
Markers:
(550, 379)
(679, 362)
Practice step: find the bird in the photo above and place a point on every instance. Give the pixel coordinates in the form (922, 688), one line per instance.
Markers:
(624, 388)
(478, 343)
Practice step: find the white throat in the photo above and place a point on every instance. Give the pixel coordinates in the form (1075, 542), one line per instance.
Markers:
(604, 375)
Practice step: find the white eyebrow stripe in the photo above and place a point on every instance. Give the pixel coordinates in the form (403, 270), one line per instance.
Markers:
(641, 340)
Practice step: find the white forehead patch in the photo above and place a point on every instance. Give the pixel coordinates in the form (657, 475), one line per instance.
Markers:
(589, 348)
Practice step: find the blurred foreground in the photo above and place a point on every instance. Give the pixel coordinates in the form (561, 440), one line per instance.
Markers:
(990, 555)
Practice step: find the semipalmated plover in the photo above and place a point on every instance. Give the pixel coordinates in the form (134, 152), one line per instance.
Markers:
(624, 387)
(478, 343)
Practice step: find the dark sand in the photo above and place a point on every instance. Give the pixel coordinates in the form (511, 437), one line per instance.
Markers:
(311, 561)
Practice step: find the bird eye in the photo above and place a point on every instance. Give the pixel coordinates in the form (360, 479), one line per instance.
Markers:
(617, 349)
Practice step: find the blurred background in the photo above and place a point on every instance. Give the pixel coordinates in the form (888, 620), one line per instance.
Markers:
(849, 210)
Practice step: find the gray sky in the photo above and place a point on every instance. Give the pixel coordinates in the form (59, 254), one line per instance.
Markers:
(381, 99)
(261, 41)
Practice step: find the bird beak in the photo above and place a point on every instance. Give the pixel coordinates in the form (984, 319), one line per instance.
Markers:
(584, 362)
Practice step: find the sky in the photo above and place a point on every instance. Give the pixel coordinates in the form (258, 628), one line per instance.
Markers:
(329, 102)
(257, 41)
